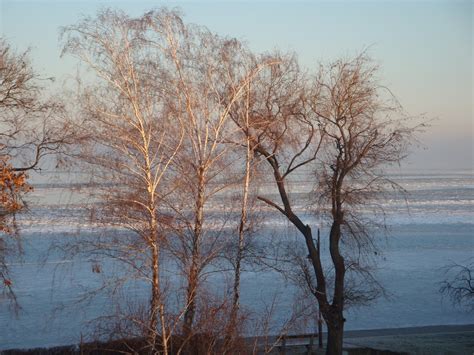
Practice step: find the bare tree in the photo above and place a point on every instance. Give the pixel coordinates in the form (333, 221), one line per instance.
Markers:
(236, 254)
(364, 131)
(239, 62)
(194, 55)
(31, 128)
(344, 120)
(243, 218)
(201, 76)
(133, 137)
(276, 122)
(171, 101)
(156, 119)
(459, 284)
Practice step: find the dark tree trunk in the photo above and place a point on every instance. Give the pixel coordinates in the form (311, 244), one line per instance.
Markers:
(335, 334)
(336, 320)
(334, 316)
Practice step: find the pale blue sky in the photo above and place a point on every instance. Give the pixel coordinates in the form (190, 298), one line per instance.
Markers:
(424, 48)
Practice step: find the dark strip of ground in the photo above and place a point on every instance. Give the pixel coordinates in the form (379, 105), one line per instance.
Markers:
(450, 339)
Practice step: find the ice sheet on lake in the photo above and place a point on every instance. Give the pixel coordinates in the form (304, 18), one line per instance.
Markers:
(436, 229)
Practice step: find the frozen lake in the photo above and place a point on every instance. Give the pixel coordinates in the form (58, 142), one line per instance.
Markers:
(437, 229)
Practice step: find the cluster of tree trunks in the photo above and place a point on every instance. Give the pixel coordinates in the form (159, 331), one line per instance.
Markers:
(177, 115)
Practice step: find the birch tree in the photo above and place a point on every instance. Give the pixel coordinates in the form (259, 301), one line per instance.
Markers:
(201, 60)
(157, 117)
(133, 138)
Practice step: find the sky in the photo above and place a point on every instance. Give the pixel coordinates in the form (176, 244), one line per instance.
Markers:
(424, 48)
